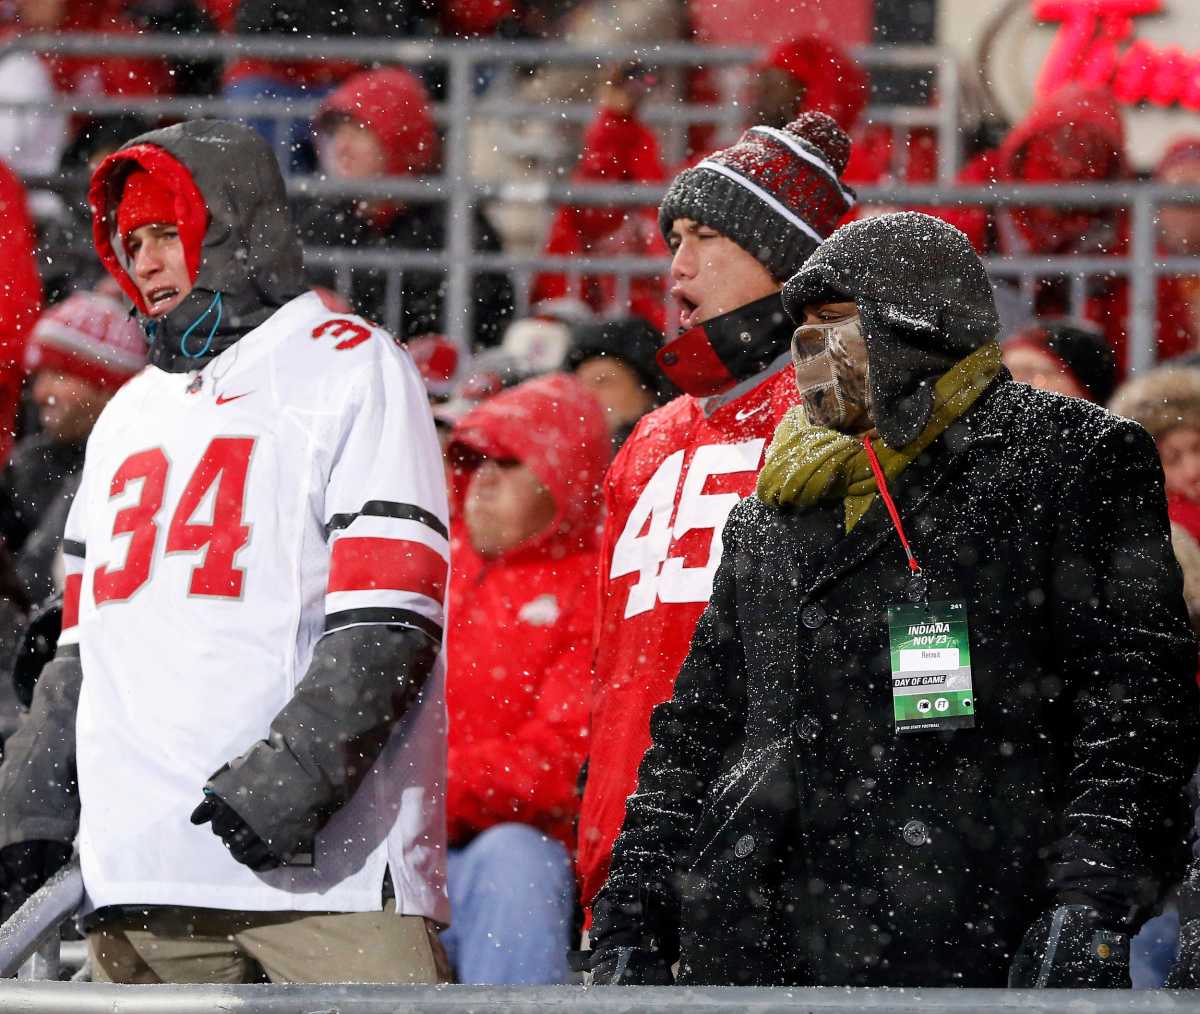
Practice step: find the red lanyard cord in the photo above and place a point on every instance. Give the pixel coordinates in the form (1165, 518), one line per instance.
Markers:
(881, 482)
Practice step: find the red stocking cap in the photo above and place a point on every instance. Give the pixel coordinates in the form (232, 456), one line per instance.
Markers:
(146, 200)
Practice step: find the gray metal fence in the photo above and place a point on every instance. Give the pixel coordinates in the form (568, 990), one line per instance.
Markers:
(455, 185)
(460, 191)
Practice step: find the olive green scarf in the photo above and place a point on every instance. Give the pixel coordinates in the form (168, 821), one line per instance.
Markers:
(806, 464)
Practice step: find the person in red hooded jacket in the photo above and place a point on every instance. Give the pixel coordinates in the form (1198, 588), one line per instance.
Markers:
(617, 148)
(379, 123)
(1074, 136)
(1179, 235)
(527, 467)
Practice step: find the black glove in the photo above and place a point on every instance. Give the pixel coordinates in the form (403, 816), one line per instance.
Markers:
(630, 966)
(1185, 973)
(26, 866)
(633, 941)
(243, 843)
(1068, 947)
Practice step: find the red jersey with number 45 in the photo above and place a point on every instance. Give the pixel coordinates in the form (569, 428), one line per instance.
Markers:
(667, 495)
(226, 519)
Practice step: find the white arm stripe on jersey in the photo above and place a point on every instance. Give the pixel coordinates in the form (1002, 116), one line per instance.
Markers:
(388, 509)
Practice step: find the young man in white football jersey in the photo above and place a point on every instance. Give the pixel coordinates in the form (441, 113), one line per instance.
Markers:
(245, 721)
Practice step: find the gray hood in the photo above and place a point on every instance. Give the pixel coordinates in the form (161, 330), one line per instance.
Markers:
(232, 208)
(924, 300)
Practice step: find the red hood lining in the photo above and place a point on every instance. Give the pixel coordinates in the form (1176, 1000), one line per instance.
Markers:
(104, 197)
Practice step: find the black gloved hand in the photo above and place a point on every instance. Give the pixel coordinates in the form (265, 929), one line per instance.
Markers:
(243, 843)
(1185, 973)
(630, 966)
(1068, 947)
(633, 943)
(24, 867)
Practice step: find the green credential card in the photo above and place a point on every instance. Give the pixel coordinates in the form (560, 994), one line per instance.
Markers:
(931, 667)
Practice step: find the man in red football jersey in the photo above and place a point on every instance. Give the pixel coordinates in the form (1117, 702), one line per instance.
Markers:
(739, 223)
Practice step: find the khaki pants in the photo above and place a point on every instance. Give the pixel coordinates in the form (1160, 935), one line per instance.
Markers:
(180, 945)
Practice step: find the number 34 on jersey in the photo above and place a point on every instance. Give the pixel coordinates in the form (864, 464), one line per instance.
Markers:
(672, 505)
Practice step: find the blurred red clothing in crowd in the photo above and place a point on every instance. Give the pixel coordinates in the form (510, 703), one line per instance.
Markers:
(222, 12)
(827, 79)
(617, 148)
(1074, 136)
(20, 300)
(1179, 233)
(519, 642)
(95, 75)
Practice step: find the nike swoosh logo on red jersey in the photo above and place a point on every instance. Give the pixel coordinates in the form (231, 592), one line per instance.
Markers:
(222, 400)
(746, 413)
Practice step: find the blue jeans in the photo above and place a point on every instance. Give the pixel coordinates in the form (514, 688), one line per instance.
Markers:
(1152, 951)
(511, 899)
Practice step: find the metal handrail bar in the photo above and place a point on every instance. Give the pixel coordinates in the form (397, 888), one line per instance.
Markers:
(39, 918)
(570, 112)
(104, 998)
(650, 194)
(434, 188)
(635, 266)
(427, 50)
(395, 50)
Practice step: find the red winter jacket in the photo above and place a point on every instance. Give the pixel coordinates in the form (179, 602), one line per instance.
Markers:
(617, 148)
(667, 495)
(519, 641)
(20, 300)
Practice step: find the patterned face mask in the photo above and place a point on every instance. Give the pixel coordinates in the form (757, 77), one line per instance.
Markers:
(833, 375)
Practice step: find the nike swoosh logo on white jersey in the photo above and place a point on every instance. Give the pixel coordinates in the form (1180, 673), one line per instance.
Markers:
(222, 400)
(746, 413)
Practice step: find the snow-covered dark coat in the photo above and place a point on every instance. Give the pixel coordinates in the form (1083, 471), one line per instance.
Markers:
(794, 838)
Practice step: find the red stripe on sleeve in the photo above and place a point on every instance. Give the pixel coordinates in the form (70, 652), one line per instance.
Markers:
(396, 564)
(71, 593)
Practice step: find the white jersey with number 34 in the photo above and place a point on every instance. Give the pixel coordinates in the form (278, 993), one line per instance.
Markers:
(224, 522)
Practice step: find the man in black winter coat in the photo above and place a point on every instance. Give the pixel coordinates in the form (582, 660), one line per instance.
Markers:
(938, 745)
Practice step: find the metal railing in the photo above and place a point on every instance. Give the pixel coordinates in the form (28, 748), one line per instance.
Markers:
(100, 998)
(30, 939)
(455, 185)
(460, 191)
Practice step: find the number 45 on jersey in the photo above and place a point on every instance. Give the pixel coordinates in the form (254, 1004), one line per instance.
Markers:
(656, 523)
